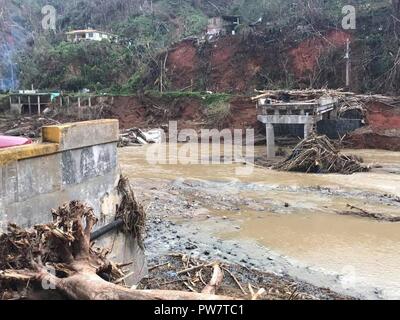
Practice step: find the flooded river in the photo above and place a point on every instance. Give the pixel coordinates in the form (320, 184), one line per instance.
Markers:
(293, 215)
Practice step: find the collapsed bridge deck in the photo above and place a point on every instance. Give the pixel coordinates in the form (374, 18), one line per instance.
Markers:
(305, 108)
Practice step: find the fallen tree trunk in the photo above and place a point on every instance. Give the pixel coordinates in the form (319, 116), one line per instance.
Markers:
(60, 256)
(366, 214)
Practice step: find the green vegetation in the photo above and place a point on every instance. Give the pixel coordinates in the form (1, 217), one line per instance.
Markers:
(218, 114)
(216, 105)
(3, 98)
(147, 28)
(208, 99)
(69, 66)
(4, 101)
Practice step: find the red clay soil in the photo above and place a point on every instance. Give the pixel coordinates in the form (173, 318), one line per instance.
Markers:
(383, 130)
(305, 56)
(190, 113)
(146, 112)
(230, 64)
(182, 64)
(368, 138)
(245, 113)
(239, 64)
(382, 116)
(234, 64)
(130, 112)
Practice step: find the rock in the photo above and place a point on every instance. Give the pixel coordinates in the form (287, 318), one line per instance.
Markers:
(190, 246)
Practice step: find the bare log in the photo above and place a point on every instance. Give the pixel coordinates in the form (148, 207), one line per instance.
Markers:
(215, 282)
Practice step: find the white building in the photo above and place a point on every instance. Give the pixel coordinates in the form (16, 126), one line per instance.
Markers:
(91, 35)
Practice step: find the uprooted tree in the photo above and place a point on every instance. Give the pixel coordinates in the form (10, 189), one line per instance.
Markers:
(60, 256)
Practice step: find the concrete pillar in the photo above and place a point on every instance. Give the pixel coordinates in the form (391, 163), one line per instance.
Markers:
(38, 107)
(90, 102)
(308, 129)
(79, 108)
(29, 105)
(270, 134)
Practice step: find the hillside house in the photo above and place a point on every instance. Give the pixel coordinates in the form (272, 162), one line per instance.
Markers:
(90, 35)
(223, 25)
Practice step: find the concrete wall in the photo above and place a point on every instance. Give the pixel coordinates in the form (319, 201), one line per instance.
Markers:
(335, 129)
(4, 103)
(75, 162)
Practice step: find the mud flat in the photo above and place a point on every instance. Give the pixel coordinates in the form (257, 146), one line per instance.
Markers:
(285, 223)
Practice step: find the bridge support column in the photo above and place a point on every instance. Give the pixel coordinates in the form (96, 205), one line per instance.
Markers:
(308, 129)
(270, 134)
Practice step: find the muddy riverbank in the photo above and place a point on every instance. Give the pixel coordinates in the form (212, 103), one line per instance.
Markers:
(277, 222)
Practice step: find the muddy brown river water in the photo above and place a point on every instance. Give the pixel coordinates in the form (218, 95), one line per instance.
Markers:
(290, 215)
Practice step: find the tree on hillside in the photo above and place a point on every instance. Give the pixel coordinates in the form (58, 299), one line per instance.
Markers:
(396, 7)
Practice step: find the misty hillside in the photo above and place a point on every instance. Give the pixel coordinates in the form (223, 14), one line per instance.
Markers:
(277, 40)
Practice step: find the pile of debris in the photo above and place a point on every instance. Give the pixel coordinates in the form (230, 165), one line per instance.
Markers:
(179, 271)
(308, 95)
(135, 136)
(318, 154)
(30, 127)
(62, 255)
(359, 212)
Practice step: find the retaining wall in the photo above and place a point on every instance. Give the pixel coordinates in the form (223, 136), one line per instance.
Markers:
(335, 129)
(75, 161)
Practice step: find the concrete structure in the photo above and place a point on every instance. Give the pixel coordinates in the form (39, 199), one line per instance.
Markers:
(29, 102)
(215, 26)
(294, 112)
(223, 25)
(90, 35)
(75, 161)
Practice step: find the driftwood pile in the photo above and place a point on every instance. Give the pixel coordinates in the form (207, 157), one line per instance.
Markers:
(318, 154)
(184, 271)
(59, 260)
(308, 95)
(314, 94)
(346, 100)
(30, 127)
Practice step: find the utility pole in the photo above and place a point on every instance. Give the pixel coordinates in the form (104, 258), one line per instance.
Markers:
(12, 77)
(348, 63)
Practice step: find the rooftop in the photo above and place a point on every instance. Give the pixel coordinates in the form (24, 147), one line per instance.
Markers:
(87, 31)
